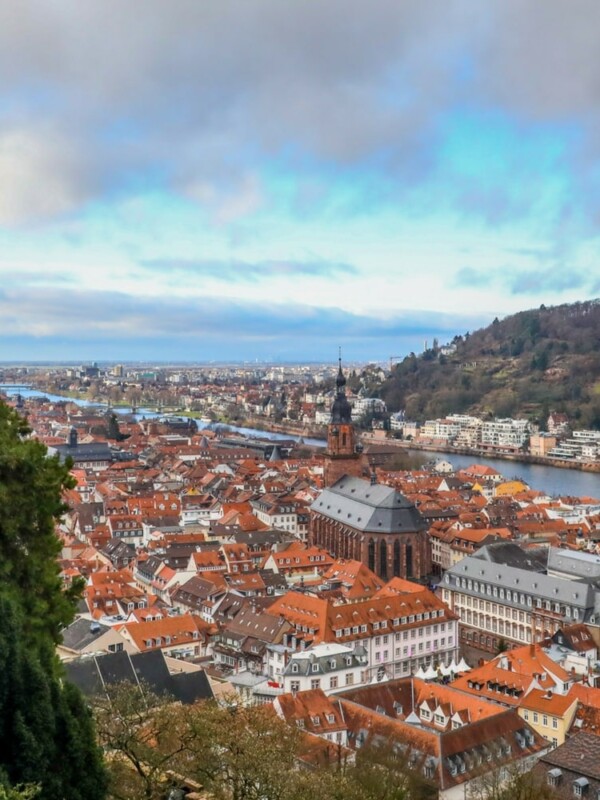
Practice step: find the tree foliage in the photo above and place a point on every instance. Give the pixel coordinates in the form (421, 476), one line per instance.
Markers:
(513, 783)
(47, 736)
(237, 753)
(31, 486)
(523, 365)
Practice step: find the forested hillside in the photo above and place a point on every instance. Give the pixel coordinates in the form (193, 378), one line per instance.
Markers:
(525, 365)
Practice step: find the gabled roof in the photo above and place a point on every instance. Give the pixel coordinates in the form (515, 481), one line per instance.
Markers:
(366, 507)
(580, 754)
(92, 674)
(81, 633)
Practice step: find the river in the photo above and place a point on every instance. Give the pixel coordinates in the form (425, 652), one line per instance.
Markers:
(552, 480)
(141, 413)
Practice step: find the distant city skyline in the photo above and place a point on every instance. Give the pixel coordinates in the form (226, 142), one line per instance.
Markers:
(239, 180)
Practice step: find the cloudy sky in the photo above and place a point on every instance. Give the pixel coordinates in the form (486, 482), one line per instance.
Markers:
(271, 178)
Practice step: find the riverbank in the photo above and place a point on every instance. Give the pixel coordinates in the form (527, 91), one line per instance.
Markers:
(476, 452)
(257, 426)
(555, 479)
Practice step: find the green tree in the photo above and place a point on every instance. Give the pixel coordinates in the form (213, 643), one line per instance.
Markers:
(112, 428)
(47, 737)
(31, 486)
(19, 792)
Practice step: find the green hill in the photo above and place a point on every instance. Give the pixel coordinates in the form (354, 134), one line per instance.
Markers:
(525, 365)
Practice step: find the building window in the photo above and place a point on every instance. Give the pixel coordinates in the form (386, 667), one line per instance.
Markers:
(333, 682)
(371, 555)
(409, 560)
(383, 560)
(580, 787)
(396, 567)
(294, 686)
(315, 683)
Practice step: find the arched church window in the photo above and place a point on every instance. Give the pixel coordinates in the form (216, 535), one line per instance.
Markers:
(409, 561)
(396, 559)
(383, 559)
(371, 554)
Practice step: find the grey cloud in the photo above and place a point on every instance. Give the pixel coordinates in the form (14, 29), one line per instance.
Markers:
(555, 278)
(200, 92)
(241, 271)
(81, 315)
(31, 278)
(469, 276)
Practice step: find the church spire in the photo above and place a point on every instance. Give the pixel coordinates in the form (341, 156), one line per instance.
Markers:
(342, 456)
(341, 412)
(340, 381)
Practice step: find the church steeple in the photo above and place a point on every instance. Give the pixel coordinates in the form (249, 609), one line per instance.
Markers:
(340, 381)
(341, 411)
(342, 456)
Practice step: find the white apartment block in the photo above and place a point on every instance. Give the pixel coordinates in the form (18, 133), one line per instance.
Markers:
(329, 667)
(505, 432)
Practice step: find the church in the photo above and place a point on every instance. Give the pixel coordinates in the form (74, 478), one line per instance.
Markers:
(359, 519)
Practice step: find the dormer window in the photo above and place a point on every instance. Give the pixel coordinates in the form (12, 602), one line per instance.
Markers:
(315, 667)
(294, 667)
(316, 720)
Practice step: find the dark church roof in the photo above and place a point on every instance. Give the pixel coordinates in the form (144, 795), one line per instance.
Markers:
(92, 451)
(367, 507)
(91, 674)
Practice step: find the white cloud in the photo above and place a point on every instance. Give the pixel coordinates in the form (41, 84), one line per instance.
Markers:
(40, 176)
(227, 204)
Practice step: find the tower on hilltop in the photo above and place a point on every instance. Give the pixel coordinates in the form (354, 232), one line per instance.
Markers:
(342, 456)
